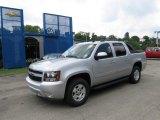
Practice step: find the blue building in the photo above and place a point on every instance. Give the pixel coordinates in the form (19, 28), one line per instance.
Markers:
(18, 46)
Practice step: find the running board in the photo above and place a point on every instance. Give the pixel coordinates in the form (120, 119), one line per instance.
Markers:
(110, 83)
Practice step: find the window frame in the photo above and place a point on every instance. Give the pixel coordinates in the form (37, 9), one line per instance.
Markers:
(96, 52)
(115, 49)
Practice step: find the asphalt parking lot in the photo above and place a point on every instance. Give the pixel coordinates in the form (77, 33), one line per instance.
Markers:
(122, 101)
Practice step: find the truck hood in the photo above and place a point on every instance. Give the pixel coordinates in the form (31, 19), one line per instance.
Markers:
(53, 64)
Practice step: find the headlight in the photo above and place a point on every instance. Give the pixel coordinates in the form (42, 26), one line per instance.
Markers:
(52, 76)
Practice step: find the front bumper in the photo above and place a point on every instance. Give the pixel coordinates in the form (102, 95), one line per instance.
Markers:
(54, 90)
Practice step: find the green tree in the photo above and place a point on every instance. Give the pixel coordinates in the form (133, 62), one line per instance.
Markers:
(78, 36)
(152, 42)
(94, 37)
(120, 39)
(33, 29)
(135, 38)
(102, 37)
(126, 36)
(82, 36)
(146, 38)
(135, 42)
(112, 37)
(146, 42)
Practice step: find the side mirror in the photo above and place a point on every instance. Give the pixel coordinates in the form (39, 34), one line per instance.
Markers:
(101, 55)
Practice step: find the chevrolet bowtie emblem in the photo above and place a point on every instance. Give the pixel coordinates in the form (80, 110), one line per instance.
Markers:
(31, 73)
(12, 14)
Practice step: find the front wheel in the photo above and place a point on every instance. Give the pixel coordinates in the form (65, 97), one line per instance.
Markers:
(77, 92)
(135, 75)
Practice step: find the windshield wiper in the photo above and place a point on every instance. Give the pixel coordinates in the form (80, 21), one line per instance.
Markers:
(72, 56)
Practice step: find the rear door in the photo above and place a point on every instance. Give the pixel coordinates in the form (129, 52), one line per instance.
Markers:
(122, 60)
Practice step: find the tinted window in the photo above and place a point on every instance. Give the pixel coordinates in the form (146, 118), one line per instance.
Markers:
(131, 49)
(105, 48)
(152, 49)
(119, 49)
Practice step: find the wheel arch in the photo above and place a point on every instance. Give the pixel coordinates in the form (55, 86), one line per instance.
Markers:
(139, 64)
(86, 76)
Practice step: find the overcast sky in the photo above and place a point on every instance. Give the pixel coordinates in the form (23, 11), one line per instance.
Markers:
(103, 17)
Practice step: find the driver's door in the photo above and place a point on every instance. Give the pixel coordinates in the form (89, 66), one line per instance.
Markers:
(104, 69)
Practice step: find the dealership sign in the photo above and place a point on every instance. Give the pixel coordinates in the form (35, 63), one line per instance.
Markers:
(12, 33)
(50, 31)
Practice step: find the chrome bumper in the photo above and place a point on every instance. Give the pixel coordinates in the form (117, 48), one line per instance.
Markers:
(47, 89)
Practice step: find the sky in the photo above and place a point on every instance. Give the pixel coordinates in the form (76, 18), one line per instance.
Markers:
(102, 17)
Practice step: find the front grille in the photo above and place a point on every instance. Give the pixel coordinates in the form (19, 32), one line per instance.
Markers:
(35, 75)
(35, 78)
(34, 71)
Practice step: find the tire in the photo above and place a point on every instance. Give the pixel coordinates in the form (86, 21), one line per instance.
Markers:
(135, 75)
(77, 92)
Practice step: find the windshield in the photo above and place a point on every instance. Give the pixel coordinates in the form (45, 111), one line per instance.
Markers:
(80, 51)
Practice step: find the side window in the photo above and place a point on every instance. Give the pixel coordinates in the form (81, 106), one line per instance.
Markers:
(105, 48)
(119, 49)
(156, 49)
(130, 49)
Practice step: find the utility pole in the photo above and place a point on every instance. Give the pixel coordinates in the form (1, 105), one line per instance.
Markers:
(157, 41)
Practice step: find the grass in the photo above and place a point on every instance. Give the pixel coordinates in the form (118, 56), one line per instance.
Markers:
(4, 72)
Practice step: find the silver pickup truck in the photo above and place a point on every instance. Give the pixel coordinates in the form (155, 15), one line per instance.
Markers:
(85, 66)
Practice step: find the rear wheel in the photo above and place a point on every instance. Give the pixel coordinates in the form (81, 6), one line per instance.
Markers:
(77, 92)
(135, 75)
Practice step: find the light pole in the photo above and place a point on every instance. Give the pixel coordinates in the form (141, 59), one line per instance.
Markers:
(85, 34)
(86, 37)
(157, 42)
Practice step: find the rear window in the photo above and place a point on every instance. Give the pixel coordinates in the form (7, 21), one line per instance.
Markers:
(153, 49)
(156, 49)
(119, 49)
(131, 49)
